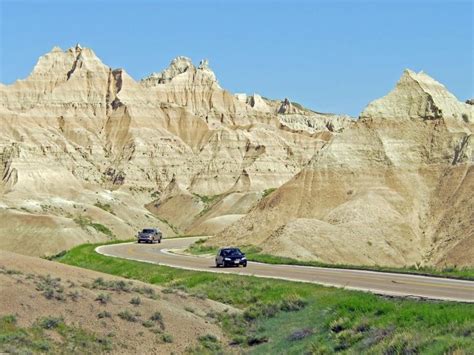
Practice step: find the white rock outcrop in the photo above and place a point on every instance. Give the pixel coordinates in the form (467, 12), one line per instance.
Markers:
(76, 129)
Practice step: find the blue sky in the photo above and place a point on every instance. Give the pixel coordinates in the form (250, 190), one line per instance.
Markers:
(332, 56)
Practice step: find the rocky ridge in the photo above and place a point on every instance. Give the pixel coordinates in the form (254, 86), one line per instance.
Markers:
(82, 143)
(378, 192)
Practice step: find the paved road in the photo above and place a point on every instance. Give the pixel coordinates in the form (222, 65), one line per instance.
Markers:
(376, 282)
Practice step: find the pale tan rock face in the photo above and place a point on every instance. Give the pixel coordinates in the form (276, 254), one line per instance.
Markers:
(417, 95)
(88, 134)
(394, 188)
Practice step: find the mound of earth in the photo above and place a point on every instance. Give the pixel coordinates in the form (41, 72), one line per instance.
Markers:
(395, 188)
(85, 149)
(40, 292)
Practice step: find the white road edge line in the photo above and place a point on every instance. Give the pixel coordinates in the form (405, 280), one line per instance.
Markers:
(376, 291)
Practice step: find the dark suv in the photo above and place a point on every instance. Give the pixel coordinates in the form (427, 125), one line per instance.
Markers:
(230, 257)
(149, 235)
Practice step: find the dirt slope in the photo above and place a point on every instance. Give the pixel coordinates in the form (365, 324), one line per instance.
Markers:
(76, 134)
(395, 188)
(34, 288)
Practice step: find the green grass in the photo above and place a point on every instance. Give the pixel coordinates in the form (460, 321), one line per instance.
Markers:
(268, 192)
(208, 201)
(104, 206)
(281, 316)
(255, 254)
(85, 221)
(37, 338)
(169, 224)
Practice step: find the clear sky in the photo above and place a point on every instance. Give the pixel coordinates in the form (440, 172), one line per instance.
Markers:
(332, 56)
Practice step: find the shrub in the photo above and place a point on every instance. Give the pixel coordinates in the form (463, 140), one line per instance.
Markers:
(146, 291)
(51, 287)
(210, 342)
(136, 301)
(104, 314)
(103, 298)
(268, 192)
(74, 295)
(167, 338)
(8, 319)
(128, 316)
(104, 206)
(148, 324)
(158, 318)
(50, 322)
(119, 286)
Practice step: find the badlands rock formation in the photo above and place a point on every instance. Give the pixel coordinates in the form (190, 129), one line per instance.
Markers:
(84, 148)
(396, 188)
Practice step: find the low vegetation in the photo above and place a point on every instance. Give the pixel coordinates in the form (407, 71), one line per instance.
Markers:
(169, 224)
(280, 316)
(84, 222)
(268, 192)
(104, 206)
(208, 344)
(208, 202)
(48, 335)
(129, 316)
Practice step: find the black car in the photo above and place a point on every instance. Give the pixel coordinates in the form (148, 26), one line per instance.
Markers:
(149, 235)
(230, 257)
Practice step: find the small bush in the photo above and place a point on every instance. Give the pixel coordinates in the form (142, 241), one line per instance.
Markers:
(50, 322)
(148, 324)
(136, 301)
(104, 206)
(146, 291)
(128, 316)
(167, 338)
(50, 287)
(210, 342)
(119, 286)
(103, 298)
(74, 295)
(268, 192)
(9, 319)
(104, 314)
(158, 318)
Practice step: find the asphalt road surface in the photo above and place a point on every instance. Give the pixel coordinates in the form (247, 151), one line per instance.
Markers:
(370, 281)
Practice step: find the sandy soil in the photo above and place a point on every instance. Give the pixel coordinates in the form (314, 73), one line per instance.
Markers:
(22, 281)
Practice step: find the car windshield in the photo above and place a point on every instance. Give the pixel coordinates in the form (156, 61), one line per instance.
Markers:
(148, 231)
(231, 252)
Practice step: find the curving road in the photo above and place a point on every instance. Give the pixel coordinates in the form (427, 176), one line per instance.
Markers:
(370, 281)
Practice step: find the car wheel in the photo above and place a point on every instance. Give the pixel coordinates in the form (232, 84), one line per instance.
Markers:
(245, 265)
(159, 240)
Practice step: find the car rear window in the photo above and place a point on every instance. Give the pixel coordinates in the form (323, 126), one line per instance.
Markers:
(148, 230)
(231, 252)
